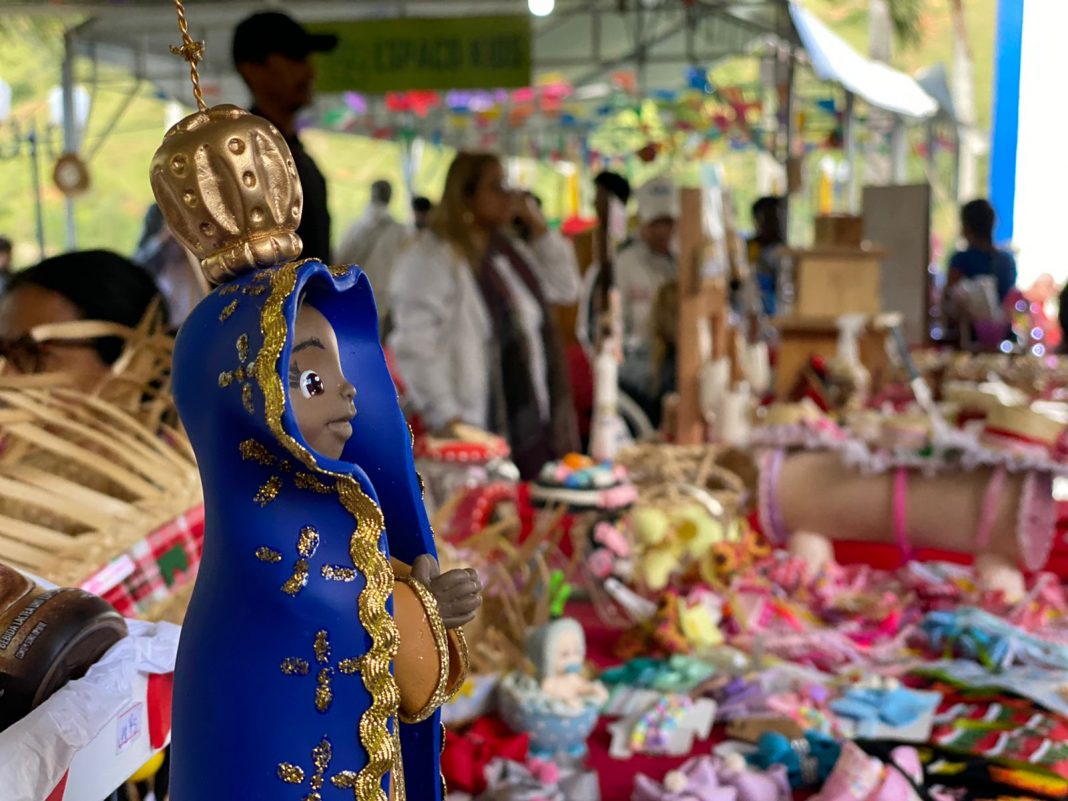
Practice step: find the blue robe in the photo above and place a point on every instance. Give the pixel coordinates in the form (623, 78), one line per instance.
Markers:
(283, 686)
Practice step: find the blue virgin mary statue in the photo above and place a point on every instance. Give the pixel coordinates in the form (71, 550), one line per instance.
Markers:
(312, 661)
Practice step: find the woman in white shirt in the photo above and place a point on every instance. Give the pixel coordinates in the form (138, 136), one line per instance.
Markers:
(474, 336)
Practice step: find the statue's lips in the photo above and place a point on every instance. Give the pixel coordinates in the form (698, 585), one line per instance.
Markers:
(340, 428)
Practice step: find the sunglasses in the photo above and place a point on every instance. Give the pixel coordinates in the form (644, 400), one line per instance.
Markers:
(28, 354)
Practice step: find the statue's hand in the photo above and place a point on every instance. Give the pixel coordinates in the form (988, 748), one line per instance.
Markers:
(458, 592)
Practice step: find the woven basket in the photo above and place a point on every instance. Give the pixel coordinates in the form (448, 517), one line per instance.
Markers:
(656, 468)
(84, 477)
(514, 577)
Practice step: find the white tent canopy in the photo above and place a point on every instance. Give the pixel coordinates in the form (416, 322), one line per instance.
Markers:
(583, 40)
(877, 84)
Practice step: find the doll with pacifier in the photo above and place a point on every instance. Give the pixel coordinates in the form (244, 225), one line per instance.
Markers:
(558, 706)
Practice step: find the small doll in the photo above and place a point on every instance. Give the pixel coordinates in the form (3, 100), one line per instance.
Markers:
(320, 640)
(558, 707)
(558, 651)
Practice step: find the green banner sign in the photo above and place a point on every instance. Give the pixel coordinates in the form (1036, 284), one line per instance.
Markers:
(391, 55)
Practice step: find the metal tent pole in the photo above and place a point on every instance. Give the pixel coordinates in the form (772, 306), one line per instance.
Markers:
(35, 170)
(791, 133)
(850, 135)
(70, 127)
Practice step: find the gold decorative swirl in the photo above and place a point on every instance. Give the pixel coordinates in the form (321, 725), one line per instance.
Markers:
(265, 554)
(252, 451)
(290, 773)
(227, 311)
(465, 661)
(376, 675)
(269, 491)
(397, 784)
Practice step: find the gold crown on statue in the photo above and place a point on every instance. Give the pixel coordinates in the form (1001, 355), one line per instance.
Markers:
(228, 188)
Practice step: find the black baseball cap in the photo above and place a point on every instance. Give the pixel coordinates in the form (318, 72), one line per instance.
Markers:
(260, 35)
(614, 184)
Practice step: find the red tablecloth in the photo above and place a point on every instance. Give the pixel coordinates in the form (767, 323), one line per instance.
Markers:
(616, 775)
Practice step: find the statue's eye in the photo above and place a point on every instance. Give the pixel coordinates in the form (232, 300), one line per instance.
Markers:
(311, 384)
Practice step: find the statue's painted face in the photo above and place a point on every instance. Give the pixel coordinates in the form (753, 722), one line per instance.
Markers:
(321, 396)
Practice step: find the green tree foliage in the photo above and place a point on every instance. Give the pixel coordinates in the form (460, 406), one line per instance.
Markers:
(906, 16)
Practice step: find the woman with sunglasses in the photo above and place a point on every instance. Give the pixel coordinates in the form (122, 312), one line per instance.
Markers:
(95, 285)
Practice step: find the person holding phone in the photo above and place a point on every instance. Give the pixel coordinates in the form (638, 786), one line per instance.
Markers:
(474, 336)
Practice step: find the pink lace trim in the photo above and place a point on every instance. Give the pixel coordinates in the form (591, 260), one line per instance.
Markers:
(1037, 520)
(768, 512)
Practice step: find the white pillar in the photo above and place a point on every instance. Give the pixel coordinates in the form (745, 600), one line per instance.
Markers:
(899, 152)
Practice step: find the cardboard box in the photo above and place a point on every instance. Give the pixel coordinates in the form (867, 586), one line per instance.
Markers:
(830, 282)
(839, 230)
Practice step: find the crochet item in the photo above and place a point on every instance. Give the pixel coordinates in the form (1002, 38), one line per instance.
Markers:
(991, 641)
(707, 778)
(538, 780)
(651, 734)
(808, 761)
(677, 674)
(681, 625)
(576, 481)
(859, 777)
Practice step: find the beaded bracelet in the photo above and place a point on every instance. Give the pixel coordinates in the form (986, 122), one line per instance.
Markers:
(650, 733)
(809, 765)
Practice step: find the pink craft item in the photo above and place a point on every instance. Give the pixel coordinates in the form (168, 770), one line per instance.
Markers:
(611, 538)
(1037, 520)
(601, 563)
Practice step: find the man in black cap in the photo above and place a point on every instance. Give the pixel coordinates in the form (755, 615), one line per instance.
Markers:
(271, 52)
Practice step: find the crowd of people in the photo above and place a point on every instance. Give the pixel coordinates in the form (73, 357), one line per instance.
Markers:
(466, 289)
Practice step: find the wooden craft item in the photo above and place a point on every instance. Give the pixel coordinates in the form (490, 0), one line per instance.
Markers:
(47, 638)
(749, 730)
(802, 338)
(839, 230)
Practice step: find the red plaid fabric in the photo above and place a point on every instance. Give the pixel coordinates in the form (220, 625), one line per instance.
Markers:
(154, 568)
